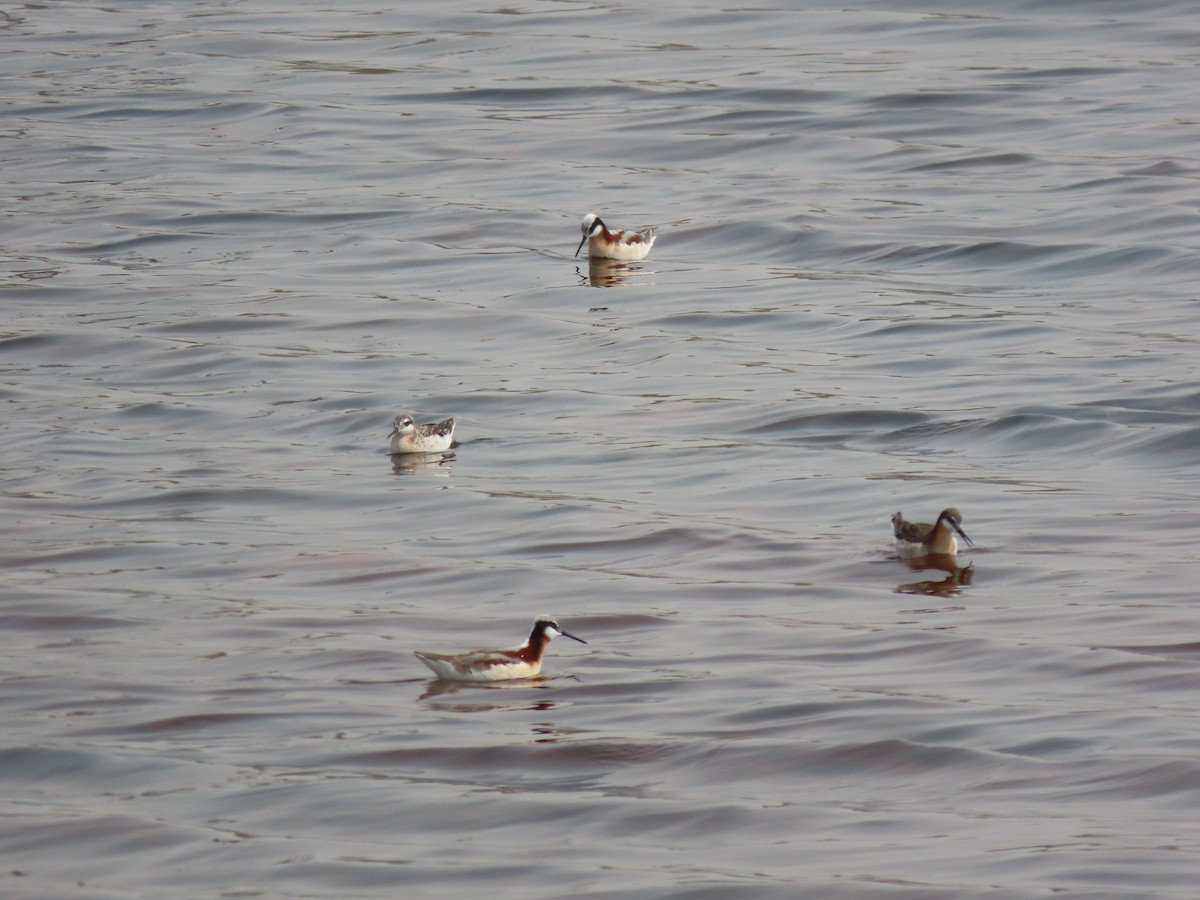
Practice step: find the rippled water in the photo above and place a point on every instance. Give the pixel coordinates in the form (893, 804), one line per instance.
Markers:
(909, 257)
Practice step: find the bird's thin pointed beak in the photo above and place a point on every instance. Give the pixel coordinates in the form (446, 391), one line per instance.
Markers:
(571, 636)
(581, 243)
(962, 534)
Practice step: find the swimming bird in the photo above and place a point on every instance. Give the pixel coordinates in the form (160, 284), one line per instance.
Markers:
(409, 437)
(916, 539)
(498, 665)
(625, 243)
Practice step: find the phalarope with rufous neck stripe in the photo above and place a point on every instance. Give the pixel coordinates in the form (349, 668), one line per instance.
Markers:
(409, 437)
(498, 665)
(624, 243)
(914, 539)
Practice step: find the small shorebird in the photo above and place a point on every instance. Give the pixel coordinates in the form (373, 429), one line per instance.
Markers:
(409, 437)
(622, 244)
(916, 539)
(498, 665)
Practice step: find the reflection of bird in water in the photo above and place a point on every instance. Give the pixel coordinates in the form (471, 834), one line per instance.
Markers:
(498, 665)
(916, 539)
(437, 464)
(606, 272)
(409, 437)
(955, 579)
(625, 243)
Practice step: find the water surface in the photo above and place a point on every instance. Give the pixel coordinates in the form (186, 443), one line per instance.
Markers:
(909, 257)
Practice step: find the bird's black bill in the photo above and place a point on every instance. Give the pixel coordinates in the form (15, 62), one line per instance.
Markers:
(571, 636)
(577, 249)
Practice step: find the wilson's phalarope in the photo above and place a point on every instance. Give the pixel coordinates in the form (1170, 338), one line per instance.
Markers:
(498, 665)
(409, 437)
(622, 244)
(915, 539)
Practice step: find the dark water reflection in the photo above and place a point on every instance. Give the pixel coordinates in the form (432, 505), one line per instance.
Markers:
(908, 258)
(955, 578)
(613, 272)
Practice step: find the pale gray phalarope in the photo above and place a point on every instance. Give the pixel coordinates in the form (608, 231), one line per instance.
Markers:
(409, 437)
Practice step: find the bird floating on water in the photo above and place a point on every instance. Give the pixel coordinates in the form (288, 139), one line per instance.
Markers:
(625, 243)
(409, 437)
(498, 665)
(916, 539)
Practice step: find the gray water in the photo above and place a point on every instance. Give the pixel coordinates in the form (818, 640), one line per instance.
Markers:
(910, 256)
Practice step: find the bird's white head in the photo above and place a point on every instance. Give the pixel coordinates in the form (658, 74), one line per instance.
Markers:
(404, 425)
